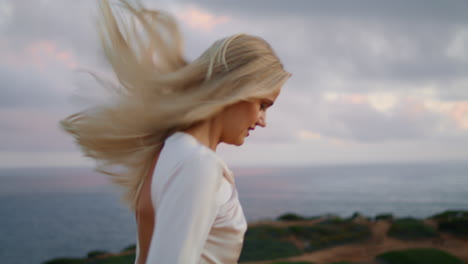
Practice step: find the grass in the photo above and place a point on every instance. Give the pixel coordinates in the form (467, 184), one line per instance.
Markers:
(455, 222)
(94, 259)
(293, 262)
(266, 242)
(264, 249)
(450, 214)
(387, 217)
(124, 259)
(330, 233)
(306, 262)
(411, 229)
(291, 217)
(66, 261)
(418, 256)
(96, 253)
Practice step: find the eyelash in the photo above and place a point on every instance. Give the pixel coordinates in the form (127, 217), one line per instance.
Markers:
(263, 106)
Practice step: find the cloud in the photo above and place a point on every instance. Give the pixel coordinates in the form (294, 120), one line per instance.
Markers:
(364, 44)
(451, 11)
(364, 117)
(199, 19)
(459, 113)
(36, 74)
(369, 77)
(456, 47)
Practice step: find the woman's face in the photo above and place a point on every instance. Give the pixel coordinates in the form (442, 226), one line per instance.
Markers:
(240, 118)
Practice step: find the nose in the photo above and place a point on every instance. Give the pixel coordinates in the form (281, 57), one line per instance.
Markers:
(261, 119)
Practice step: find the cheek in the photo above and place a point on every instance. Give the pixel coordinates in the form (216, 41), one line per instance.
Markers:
(240, 119)
(253, 114)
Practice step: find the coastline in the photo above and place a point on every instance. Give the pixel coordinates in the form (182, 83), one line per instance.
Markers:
(293, 238)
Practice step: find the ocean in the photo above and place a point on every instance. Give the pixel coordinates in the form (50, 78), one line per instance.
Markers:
(66, 212)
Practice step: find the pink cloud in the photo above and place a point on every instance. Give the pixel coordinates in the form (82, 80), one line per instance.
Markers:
(199, 19)
(459, 113)
(41, 54)
(356, 98)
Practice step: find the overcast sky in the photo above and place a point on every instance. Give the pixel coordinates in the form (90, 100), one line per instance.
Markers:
(373, 81)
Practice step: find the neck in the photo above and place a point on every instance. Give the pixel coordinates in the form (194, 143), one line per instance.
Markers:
(206, 132)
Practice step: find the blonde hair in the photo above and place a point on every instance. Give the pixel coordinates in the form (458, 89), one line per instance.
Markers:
(159, 92)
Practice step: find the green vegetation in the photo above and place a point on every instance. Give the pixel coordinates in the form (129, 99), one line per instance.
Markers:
(66, 261)
(264, 249)
(96, 253)
(94, 259)
(130, 247)
(124, 259)
(450, 214)
(293, 262)
(356, 215)
(455, 222)
(267, 232)
(411, 229)
(267, 242)
(291, 217)
(418, 256)
(270, 242)
(387, 217)
(306, 262)
(296, 217)
(330, 233)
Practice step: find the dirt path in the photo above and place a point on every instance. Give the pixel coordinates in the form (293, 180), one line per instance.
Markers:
(365, 252)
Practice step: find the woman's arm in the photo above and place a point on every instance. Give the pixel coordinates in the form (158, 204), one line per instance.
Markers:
(185, 212)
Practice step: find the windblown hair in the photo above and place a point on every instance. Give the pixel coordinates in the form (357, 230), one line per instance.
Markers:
(159, 92)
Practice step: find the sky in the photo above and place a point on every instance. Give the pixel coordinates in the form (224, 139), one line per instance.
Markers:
(373, 81)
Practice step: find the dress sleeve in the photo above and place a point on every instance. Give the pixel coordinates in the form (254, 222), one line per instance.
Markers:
(186, 211)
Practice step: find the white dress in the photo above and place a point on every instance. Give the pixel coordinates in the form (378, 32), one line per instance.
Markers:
(198, 217)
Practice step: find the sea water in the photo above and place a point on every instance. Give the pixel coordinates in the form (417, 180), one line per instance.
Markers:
(66, 212)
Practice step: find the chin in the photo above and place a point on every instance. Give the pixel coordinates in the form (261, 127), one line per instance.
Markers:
(237, 142)
(234, 140)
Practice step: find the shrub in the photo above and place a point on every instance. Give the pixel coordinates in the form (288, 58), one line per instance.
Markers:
(388, 217)
(455, 222)
(418, 256)
(411, 229)
(267, 249)
(123, 259)
(130, 247)
(450, 214)
(290, 217)
(96, 253)
(330, 233)
(356, 215)
(267, 242)
(293, 262)
(266, 232)
(66, 261)
(457, 227)
(343, 262)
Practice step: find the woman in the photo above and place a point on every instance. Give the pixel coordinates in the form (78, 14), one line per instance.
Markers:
(166, 118)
